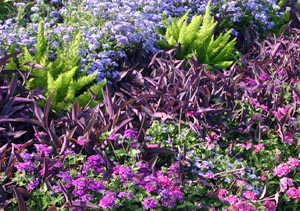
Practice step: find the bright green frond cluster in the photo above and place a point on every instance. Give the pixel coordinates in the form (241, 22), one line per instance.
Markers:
(197, 37)
(61, 76)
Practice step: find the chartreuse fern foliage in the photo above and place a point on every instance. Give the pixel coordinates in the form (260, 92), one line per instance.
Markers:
(62, 76)
(197, 38)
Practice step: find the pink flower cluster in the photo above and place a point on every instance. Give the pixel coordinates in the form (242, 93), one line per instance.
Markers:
(281, 170)
(285, 183)
(284, 168)
(293, 193)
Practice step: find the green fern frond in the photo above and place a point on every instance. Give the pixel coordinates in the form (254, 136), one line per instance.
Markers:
(71, 55)
(188, 34)
(26, 56)
(182, 20)
(57, 66)
(62, 75)
(165, 22)
(207, 19)
(225, 53)
(215, 46)
(62, 83)
(85, 80)
(41, 46)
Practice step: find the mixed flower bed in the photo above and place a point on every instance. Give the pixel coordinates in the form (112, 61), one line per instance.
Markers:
(149, 105)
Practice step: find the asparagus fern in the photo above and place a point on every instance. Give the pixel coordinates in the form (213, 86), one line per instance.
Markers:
(61, 76)
(197, 37)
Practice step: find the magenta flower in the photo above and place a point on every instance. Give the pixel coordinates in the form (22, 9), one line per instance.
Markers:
(108, 200)
(87, 197)
(249, 195)
(258, 147)
(122, 194)
(28, 166)
(32, 184)
(281, 170)
(285, 183)
(125, 173)
(149, 203)
(293, 162)
(83, 140)
(280, 113)
(241, 182)
(288, 138)
(263, 77)
(232, 199)
(113, 137)
(163, 180)
(293, 193)
(270, 205)
(242, 206)
(222, 192)
(129, 133)
(209, 175)
(43, 149)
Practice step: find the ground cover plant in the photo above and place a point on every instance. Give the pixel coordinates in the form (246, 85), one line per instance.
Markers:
(165, 132)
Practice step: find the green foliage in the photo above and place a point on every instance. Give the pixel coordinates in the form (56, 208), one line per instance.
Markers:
(280, 21)
(214, 52)
(6, 9)
(62, 75)
(170, 134)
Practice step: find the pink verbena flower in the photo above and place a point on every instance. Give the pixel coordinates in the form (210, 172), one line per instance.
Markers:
(241, 206)
(270, 205)
(285, 183)
(293, 162)
(288, 138)
(258, 147)
(293, 193)
(163, 180)
(209, 175)
(263, 178)
(249, 195)
(232, 199)
(281, 170)
(222, 192)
